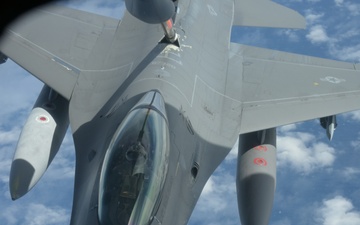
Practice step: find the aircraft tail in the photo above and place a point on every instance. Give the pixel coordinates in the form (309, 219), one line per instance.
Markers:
(265, 13)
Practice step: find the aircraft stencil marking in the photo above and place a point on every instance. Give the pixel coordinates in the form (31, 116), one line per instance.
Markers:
(42, 119)
(211, 10)
(163, 65)
(261, 148)
(333, 80)
(187, 46)
(174, 60)
(260, 161)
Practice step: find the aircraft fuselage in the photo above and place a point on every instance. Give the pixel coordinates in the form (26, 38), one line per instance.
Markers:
(192, 105)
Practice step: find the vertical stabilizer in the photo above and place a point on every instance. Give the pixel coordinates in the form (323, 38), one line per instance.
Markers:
(265, 13)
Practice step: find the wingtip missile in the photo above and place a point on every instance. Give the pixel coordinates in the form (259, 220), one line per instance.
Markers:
(329, 124)
(330, 131)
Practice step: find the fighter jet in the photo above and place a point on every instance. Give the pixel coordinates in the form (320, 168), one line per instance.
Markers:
(156, 101)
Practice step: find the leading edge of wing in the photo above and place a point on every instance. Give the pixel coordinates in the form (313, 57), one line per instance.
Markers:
(53, 43)
(266, 13)
(279, 88)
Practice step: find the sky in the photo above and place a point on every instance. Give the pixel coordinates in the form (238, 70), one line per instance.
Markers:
(318, 182)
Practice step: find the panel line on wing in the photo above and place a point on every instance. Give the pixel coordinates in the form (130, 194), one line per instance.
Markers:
(44, 50)
(69, 18)
(79, 20)
(62, 62)
(299, 63)
(167, 82)
(296, 99)
(111, 69)
(66, 65)
(212, 89)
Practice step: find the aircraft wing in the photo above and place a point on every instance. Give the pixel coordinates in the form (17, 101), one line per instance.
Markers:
(55, 43)
(280, 88)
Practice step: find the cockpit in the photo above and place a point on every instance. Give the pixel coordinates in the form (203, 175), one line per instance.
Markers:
(135, 166)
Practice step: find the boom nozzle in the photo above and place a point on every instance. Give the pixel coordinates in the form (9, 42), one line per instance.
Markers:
(151, 11)
(169, 31)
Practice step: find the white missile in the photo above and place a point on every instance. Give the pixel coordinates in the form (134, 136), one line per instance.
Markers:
(329, 123)
(39, 141)
(331, 126)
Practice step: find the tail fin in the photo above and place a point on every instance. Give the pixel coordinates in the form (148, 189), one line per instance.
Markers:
(265, 13)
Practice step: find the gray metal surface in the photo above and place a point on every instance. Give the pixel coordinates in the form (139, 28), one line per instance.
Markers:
(55, 39)
(289, 88)
(163, 67)
(213, 90)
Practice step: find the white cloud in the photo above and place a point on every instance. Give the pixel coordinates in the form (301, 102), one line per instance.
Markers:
(339, 34)
(233, 153)
(10, 215)
(38, 214)
(303, 153)
(63, 165)
(355, 144)
(350, 172)
(9, 136)
(18, 93)
(5, 164)
(353, 8)
(354, 115)
(312, 17)
(285, 221)
(338, 211)
(317, 34)
(350, 53)
(292, 35)
(215, 192)
(249, 36)
(339, 2)
(217, 204)
(8, 140)
(287, 128)
(34, 214)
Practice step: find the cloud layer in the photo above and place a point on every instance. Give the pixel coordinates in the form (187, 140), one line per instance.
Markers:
(337, 211)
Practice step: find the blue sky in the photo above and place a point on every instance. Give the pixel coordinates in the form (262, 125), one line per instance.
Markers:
(318, 181)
